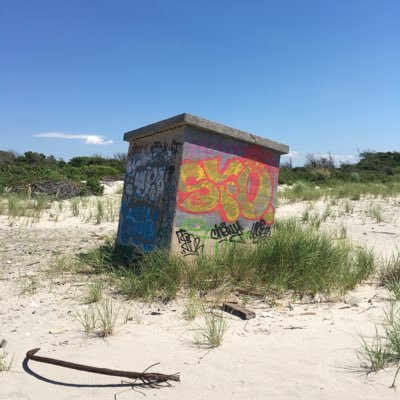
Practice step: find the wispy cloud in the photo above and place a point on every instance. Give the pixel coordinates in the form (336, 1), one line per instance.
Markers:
(89, 139)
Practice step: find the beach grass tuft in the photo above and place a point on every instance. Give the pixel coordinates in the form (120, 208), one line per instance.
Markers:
(297, 257)
(210, 332)
(383, 349)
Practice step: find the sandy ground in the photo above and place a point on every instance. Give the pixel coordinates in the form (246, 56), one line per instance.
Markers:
(306, 351)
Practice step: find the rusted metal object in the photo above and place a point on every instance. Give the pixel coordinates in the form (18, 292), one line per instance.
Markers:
(152, 379)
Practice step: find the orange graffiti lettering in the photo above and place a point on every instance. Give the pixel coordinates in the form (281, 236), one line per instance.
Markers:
(239, 188)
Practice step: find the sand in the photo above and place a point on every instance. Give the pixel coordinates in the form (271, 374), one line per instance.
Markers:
(294, 350)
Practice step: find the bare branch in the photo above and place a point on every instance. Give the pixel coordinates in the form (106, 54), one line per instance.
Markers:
(148, 378)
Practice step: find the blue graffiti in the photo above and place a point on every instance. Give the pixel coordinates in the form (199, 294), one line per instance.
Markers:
(148, 201)
(139, 226)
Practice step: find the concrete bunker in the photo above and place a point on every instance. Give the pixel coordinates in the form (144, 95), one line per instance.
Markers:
(192, 185)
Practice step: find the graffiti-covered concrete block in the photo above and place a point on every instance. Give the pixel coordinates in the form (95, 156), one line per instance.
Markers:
(192, 185)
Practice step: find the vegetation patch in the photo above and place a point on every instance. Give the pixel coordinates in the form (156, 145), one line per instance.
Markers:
(390, 275)
(5, 362)
(383, 349)
(16, 205)
(307, 191)
(95, 291)
(296, 257)
(378, 167)
(100, 319)
(34, 172)
(210, 332)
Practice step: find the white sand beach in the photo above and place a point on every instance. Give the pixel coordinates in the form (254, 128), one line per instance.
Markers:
(303, 349)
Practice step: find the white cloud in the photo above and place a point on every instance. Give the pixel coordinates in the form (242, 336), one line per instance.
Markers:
(291, 154)
(89, 139)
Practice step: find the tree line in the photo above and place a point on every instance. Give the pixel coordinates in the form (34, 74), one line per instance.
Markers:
(19, 170)
(371, 167)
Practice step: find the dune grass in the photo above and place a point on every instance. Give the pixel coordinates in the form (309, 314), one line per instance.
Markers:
(32, 207)
(16, 205)
(296, 257)
(5, 365)
(107, 318)
(383, 349)
(87, 317)
(100, 319)
(192, 306)
(301, 191)
(64, 263)
(375, 213)
(99, 211)
(390, 274)
(28, 286)
(95, 291)
(210, 332)
(75, 206)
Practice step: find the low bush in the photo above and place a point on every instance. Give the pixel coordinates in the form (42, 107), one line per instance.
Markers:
(18, 171)
(379, 167)
(93, 186)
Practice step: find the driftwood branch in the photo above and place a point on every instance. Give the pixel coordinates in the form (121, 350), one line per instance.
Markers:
(153, 379)
(238, 311)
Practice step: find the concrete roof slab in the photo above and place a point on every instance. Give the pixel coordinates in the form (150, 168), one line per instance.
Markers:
(206, 125)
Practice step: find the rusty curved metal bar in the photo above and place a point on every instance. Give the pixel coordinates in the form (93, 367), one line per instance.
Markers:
(148, 378)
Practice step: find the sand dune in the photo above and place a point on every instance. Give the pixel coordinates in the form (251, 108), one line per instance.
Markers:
(300, 350)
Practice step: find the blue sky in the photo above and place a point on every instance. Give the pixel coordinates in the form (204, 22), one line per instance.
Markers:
(316, 75)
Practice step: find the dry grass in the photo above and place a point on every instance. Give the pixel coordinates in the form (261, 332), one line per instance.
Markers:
(210, 332)
(100, 319)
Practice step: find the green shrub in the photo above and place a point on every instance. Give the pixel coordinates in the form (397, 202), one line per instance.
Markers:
(93, 186)
(320, 175)
(372, 167)
(3, 185)
(355, 177)
(99, 171)
(31, 167)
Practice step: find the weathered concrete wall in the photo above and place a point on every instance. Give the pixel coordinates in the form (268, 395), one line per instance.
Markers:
(149, 195)
(194, 185)
(226, 193)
